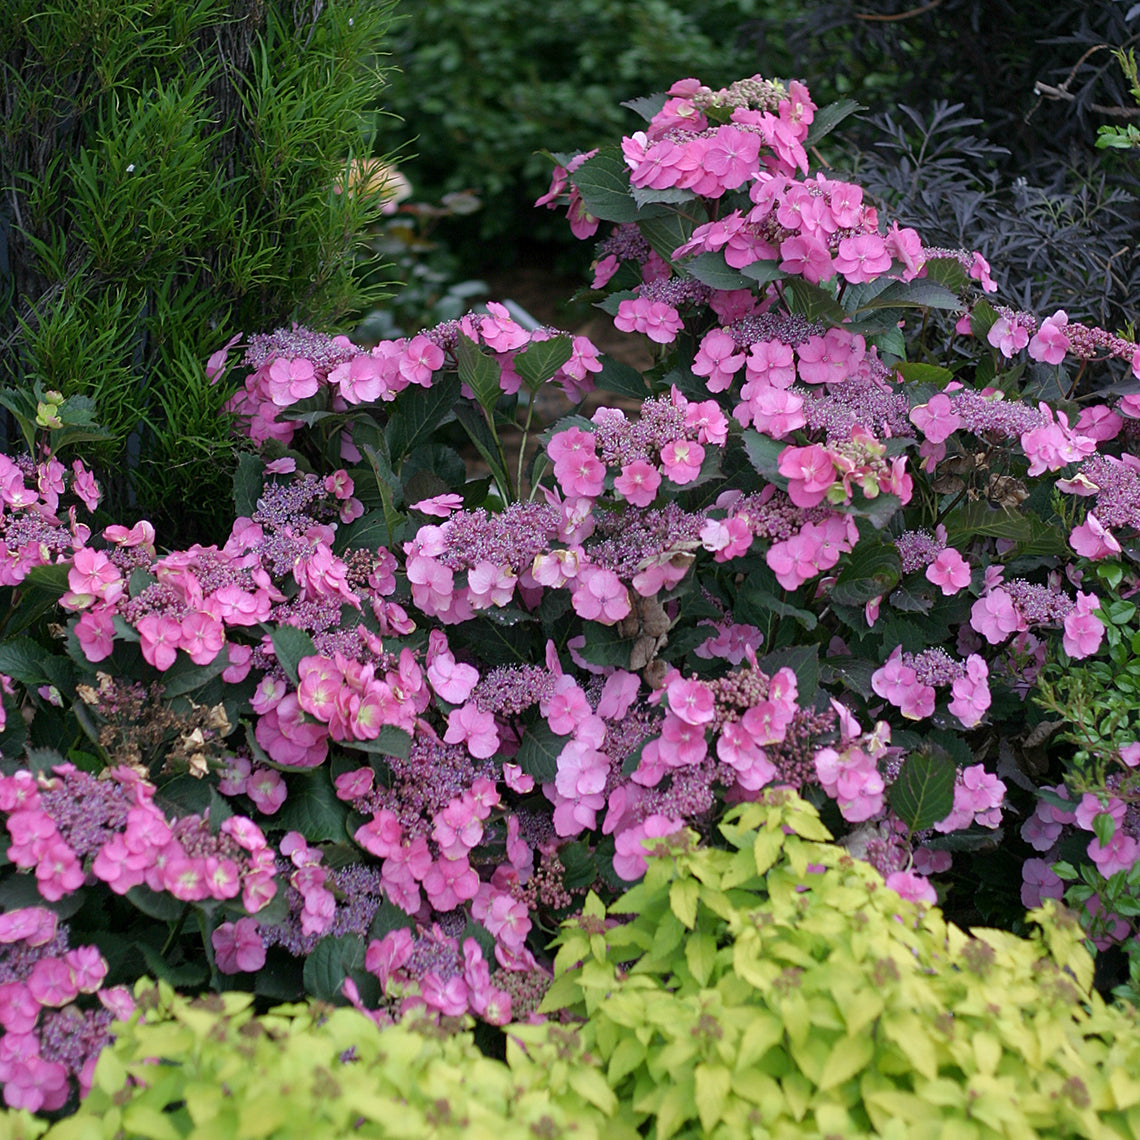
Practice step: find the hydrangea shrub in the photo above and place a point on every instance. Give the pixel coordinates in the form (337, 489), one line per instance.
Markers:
(380, 742)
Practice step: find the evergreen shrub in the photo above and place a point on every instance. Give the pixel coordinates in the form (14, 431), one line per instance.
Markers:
(170, 173)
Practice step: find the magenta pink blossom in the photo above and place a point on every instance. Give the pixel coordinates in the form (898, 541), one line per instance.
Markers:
(1084, 631)
(949, 571)
(476, 729)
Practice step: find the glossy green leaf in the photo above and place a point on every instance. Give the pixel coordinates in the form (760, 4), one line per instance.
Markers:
(541, 359)
(539, 751)
(417, 412)
(621, 379)
(328, 964)
(312, 808)
(289, 646)
(603, 183)
(479, 372)
(711, 269)
(872, 569)
(923, 793)
(827, 118)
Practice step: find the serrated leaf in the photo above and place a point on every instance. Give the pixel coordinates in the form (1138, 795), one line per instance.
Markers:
(388, 486)
(479, 372)
(603, 183)
(185, 677)
(983, 317)
(392, 741)
(669, 196)
(666, 234)
(22, 890)
(541, 359)
(417, 412)
(329, 963)
(764, 453)
(711, 269)
(313, 809)
(913, 599)
(184, 976)
(918, 293)
(700, 954)
(923, 793)
(979, 519)
(711, 1088)
(947, 271)
(605, 646)
(872, 570)
(22, 660)
(852, 673)
(580, 868)
(155, 904)
(52, 579)
(289, 646)
(248, 483)
(388, 917)
(917, 373)
(369, 532)
(757, 605)
(878, 511)
(621, 379)
(539, 751)
(812, 302)
(764, 271)
(480, 435)
(826, 119)
(683, 894)
(646, 105)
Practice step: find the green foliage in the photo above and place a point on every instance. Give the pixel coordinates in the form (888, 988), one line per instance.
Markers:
(490, 85)
(171, 172)
(211, 1068)
(1126, 137)
(776, 987)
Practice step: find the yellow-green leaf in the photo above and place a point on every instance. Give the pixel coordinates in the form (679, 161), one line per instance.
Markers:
(766, 849)
(764, 1031)
(712, 1086)
(590, 1085)
(142, 1120)
(261, 1116)
(683, 895)
(677, 1106)
(912, 1036)
(850, 1055)
(700, 953)
(628, 1054)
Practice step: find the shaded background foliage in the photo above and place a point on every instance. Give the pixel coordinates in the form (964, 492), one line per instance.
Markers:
(980, 133)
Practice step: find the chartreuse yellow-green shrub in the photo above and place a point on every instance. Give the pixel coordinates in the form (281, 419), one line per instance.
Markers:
(773, 988)
(208, 1069)
(776, 988)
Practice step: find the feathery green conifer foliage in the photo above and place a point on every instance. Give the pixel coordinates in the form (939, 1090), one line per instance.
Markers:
(170, 171)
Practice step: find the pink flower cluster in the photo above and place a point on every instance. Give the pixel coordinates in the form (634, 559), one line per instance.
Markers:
(182, 857)
(909, 682)
(337, 699)
(39, 975)
(978, 797)
(814, 227)
(832, 471)
(431, 971)
(814, 549)
(36, 535)
(680, 149)
(293, 369)
(850, 773)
